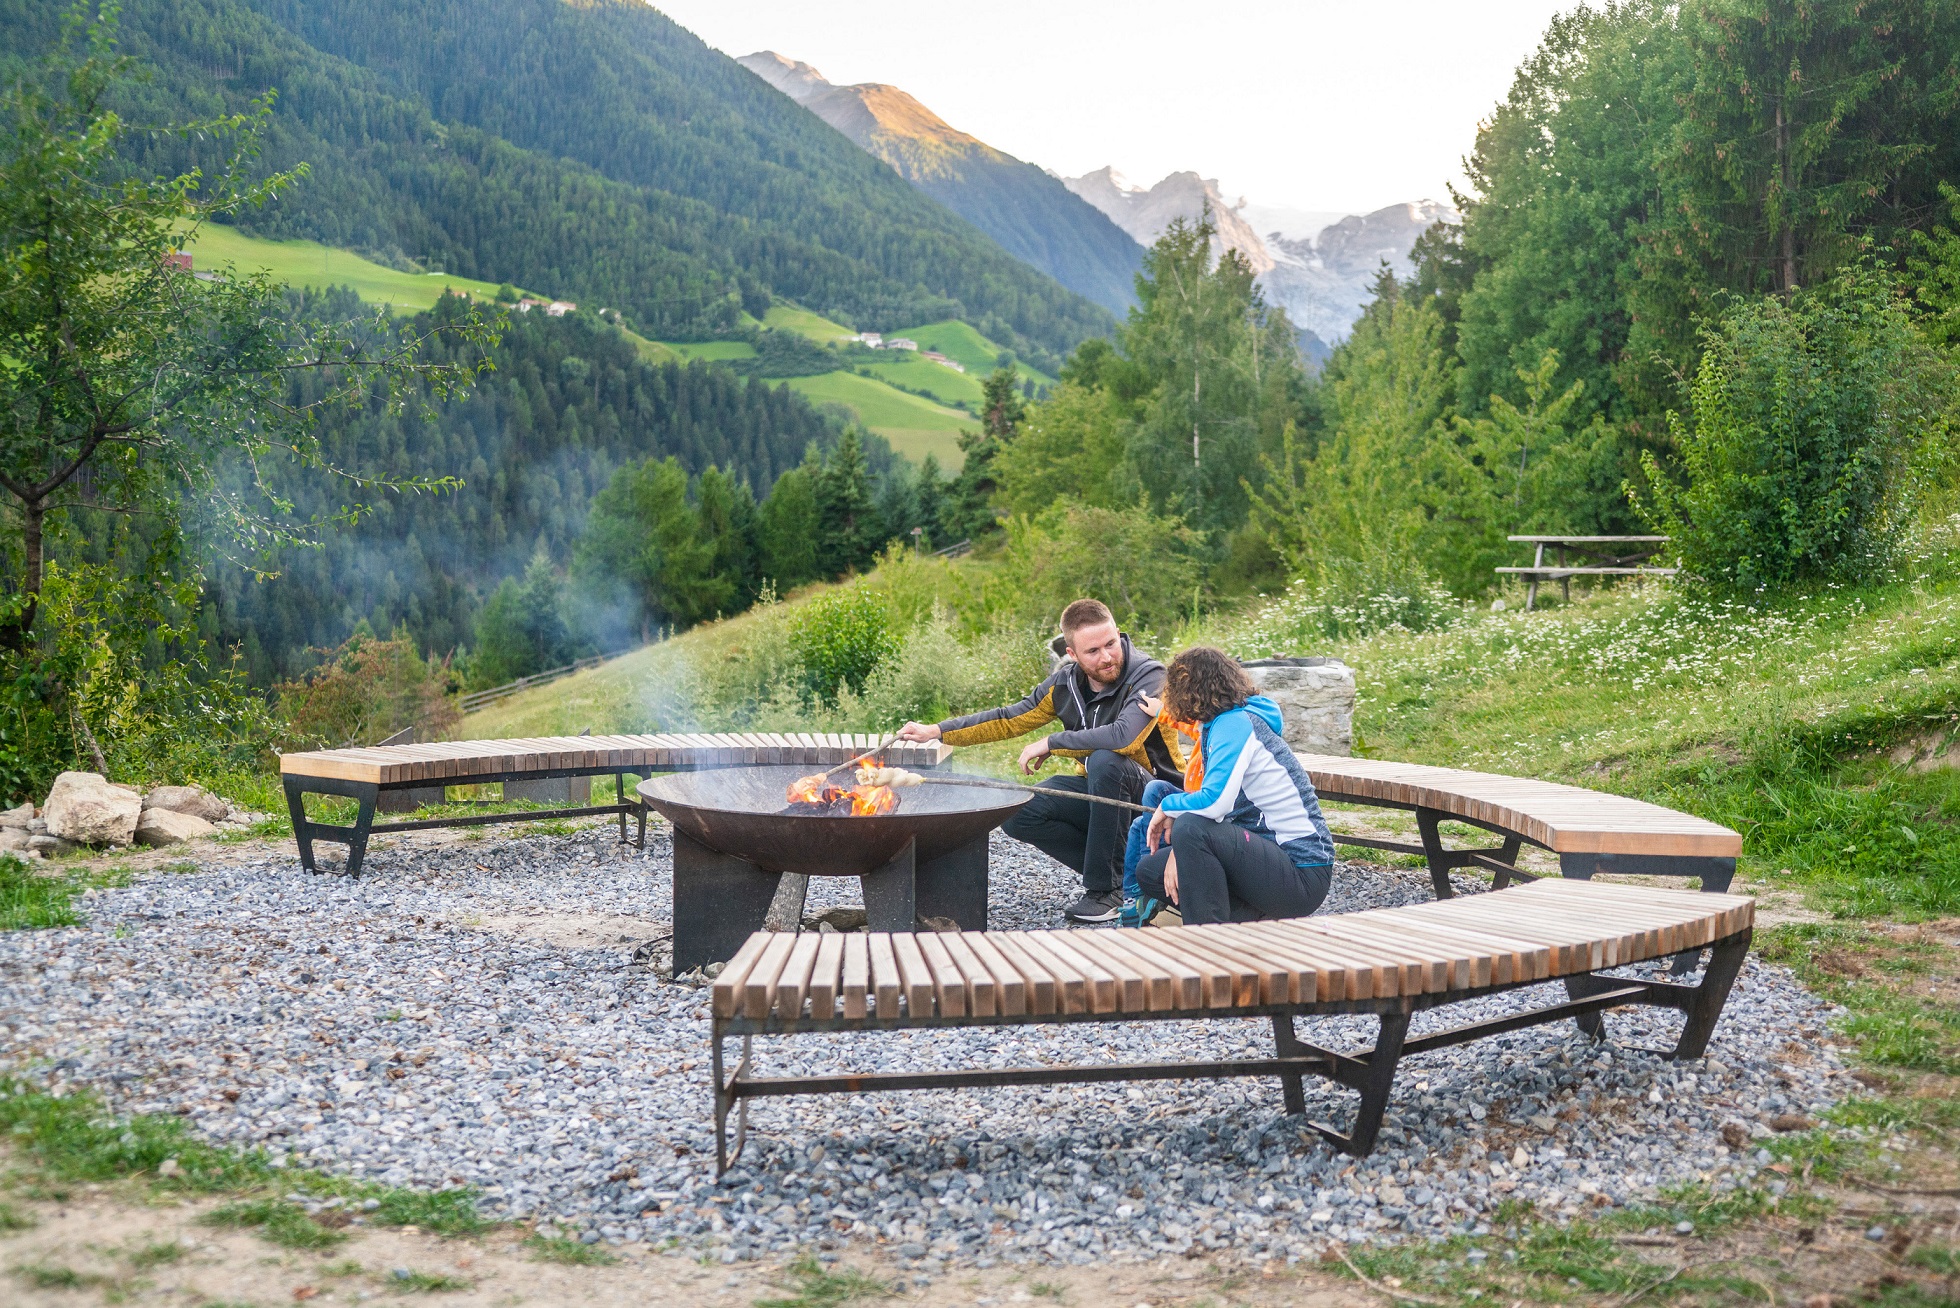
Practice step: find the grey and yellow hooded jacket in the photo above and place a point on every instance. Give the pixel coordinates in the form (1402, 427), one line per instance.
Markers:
(1113, 719)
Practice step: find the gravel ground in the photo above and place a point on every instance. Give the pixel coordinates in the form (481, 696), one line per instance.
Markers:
(490, 1013)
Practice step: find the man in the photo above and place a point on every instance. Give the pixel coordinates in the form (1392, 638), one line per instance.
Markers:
(1097, 694)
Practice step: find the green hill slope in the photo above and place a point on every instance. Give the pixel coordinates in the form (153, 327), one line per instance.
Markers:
(310, 264)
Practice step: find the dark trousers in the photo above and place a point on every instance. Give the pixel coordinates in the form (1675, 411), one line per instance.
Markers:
(1085, 837)
(1228, 874)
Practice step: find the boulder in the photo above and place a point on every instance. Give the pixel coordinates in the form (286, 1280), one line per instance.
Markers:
(194, 800)
(1316, 696)
(84, 808)
(17, 817)
(165, 826)
(13, 839)
(50, 845)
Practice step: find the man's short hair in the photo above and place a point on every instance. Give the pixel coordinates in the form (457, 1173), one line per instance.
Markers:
(1084, 613)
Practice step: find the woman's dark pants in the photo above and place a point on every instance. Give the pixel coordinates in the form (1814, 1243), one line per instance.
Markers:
(1083, 836)
(1226, 873)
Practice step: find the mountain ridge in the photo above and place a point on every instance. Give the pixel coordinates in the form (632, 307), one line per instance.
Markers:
(1026, 210)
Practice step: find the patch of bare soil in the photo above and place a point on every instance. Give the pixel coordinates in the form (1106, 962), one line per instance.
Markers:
(120, 1250)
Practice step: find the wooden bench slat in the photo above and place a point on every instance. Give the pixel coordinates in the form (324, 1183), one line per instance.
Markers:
(1012, 984)
(759, 990)
(948, 983)
(726, 996)
(887, 984)
(793, 982)
(824, 974)
(982, 987)
(857, 975)
(914, 976)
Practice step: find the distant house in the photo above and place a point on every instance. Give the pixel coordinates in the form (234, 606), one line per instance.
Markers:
(900, 343)
(180, 262)
(559, 308)
(529, 303)
(943, 361)
(873, 339)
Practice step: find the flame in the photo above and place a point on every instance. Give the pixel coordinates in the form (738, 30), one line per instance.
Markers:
(866, 800)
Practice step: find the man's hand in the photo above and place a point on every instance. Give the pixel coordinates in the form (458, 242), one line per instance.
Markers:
(919, 733)
(1170, 878)
(1159, 829)
(1035, 756)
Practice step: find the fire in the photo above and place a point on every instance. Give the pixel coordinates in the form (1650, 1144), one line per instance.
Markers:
(863, 799)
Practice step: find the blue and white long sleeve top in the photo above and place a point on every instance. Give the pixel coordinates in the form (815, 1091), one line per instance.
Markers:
(1253, 781)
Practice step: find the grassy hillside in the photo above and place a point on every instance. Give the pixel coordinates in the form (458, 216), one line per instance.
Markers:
(789, 318)
(961, 343)
(308, 263)
(915, 426)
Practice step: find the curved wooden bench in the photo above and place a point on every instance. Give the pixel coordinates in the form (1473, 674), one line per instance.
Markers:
(1590, 832)
(1391, 962)
(366, 774)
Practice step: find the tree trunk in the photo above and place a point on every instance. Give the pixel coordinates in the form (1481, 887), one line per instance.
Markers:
(1785, 216)
(14, 630)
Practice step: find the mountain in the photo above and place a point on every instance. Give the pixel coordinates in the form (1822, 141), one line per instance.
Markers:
(1144, 214)
(594, 148)
(1321, 274)
(1028, 212)
(1323, 282)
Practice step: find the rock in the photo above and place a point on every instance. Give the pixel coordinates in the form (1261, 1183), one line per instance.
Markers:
(13, 839)
(44, 844)
(1791, 1122)
(84, 808)
(163, 826)
(1734, 1134)
(839, 919)
(194, 800)
(17, 818)
(938, 924)
(1317, 698)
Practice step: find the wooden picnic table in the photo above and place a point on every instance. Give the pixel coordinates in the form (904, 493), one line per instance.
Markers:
(1607, 555)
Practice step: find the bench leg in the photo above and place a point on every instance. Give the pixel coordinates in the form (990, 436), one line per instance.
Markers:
(1428, 821)
(619, 790)
(1374, 1085)
(302, 829)
(1508, 854)
(725, 1099)
(363, 821)
(1286, 1042)
(1591, 1025)
(1724, 965)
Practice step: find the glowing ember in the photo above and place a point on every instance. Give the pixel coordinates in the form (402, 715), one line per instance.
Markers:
(861, 800)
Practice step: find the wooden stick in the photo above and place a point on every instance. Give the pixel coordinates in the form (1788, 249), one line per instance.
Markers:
(977, 784)
(853, 762)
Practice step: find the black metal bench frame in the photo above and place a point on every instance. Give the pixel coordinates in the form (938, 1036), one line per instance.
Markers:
(1501, 860)
(368, 793)
(1370, 1071)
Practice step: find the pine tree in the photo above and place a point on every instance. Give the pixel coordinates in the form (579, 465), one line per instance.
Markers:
(789, 525)
(847, 518)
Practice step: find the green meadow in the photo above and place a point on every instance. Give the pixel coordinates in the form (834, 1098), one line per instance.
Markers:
(310, 264)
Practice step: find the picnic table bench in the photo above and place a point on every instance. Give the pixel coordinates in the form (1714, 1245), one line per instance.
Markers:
(365, 774)
(1391, 963)
(1606, 562)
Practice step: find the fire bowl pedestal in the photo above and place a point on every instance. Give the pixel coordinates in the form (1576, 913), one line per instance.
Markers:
(734, 844)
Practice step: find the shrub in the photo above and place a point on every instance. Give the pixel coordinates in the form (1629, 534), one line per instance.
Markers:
(1816, 422)
(367, 690)
(1140, 562)
(1311, 612)
(841, 638)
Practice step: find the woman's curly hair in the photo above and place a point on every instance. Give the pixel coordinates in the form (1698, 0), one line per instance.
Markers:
(1203, 682)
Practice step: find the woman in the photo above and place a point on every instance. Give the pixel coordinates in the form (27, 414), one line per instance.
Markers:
(1251, 843)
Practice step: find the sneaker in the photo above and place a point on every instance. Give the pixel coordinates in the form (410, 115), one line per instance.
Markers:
(1096, 908)
(1167, 916)
(1128, 915)
(1142, 912)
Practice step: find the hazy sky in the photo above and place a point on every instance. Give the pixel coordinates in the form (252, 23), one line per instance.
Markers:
(1315, 104)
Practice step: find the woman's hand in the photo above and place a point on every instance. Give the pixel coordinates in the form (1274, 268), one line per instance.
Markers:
(1154, 707)
(1170, 878)
(1159, 830)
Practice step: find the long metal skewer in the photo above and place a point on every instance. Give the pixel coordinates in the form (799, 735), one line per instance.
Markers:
(978, 784)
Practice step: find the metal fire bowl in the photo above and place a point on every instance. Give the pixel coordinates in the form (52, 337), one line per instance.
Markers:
(738, 812)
